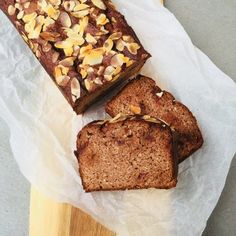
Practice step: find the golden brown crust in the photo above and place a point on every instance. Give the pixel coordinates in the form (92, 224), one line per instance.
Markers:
(84, 47)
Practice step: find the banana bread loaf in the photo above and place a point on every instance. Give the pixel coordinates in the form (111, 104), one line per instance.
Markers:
(126, 153)
(86, 46)
(143, 96)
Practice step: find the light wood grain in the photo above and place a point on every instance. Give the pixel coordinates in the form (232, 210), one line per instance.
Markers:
(48, 218)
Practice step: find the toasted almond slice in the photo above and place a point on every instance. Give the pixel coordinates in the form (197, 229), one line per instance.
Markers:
(55, 57)
(100, 4)
(90, 70)
(65, 19)
(88, 84)
(120, 45)
(38, 53)
(95, 57)
(55, 2)
(90, 39)
(49, 36)
(98, 81)
(18, 6)
(160, 94)
(83, 23)
(68, 51)
(11, 10)
(108, 77)
(109, 70)
(117, 70)
(26, 5)
(47, 22)
(128, 39)
(75, 89)
(20, 15)
(115, 36)
(63, 44)
(108, 45)
(101, 70)
(76, 50)
(52, 12)
(135, 109)
(80, 14)
(83, 73)
(129, 63)
(85, 50)
(117, 60)
(67, 62)
(57, 72)
(29, 27)
(133, 48)
(63, 80)
(113, 20)
(102, 19)
(80, 7)
(69, 5)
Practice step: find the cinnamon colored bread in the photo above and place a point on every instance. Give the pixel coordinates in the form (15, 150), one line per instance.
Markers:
(142, 96)
(86, 46)
(126, 153)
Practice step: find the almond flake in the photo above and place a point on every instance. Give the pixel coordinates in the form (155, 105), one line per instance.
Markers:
(76, 50)
(75, 89)
(65, 19)
(55, 2)
(120, 45)
(85, 51)
(63, 80)
(117, 60)
(115, 36)
(113, 20)
(63, 44)
(26, 5)
(108, 45)
(133, 48)
(80, 14)
(67, 62)
(55, 57)
(102, 19)
(29, 27)
(20, 15)
(101, 70)
(88, 84)
(108, 77)
(38, 53)
(160, 94)
(68, 51)
(100, 4)
(49, 36)
(95, 57)
(128, 39)
(109, 70)
(98, 81)
(11, 10)
(47, 22)
(83, 73)
(90, 39)
(90, 70)
(80, 7)
(117, 70)
(52, 12)
(69, 5)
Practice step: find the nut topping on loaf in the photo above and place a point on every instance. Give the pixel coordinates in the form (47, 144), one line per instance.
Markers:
(86, 40)
(127, 152)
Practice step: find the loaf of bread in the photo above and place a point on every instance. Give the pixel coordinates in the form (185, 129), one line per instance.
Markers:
(86, 46)
(127, 153)
(142, 96)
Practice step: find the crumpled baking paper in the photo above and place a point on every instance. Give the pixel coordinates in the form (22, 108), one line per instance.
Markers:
(43, 128)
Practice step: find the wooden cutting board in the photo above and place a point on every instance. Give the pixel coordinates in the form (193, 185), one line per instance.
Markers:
(49, 218)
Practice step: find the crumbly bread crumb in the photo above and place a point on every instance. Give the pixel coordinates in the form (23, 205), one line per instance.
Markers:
(130, 153)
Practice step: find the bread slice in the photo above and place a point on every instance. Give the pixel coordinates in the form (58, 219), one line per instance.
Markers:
(128, 153)
(143, 96)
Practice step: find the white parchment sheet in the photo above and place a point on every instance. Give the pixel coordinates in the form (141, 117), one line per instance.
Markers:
(43, 128)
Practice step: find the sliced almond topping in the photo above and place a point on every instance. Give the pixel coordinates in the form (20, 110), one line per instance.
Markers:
(109, 70)
(90, 70)
(100, 4)
(76, 50)
(68, 51)
(108, 77)
(128, 39)
(133, 48)
(117, 70)
(88, 84)
(55, 2)
(49, 36)
(108, 45)
(75, 89)
(80, 14)
(80, 7)
(69, 5)
(67, 62)
(83, 73)
(47, 47)
(102, 19)
(63, 44)
(120, 45)
(95, 57)
(29, 27)
(129, 63)
(25, 37)
(57, 72)
(160, 94)
(38, 53)
(117, 60)
(47, 22)
(26, 5)
(115, 36)
(52, 12)
(98, 81)
(65, 19)
(55, 57)
(20, 15)
(18, 6)
(101, 70)
(113, 20)
(135, 109)
(11, 10)
(63, 80)
(85, 51)
(90, 39)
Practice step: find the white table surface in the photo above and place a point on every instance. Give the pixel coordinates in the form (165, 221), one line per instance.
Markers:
(212, 26)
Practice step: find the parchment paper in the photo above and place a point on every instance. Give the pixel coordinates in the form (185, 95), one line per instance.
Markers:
(43, 128)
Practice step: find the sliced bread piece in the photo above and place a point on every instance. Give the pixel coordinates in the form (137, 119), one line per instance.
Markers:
(143, 96)
(126, 153)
